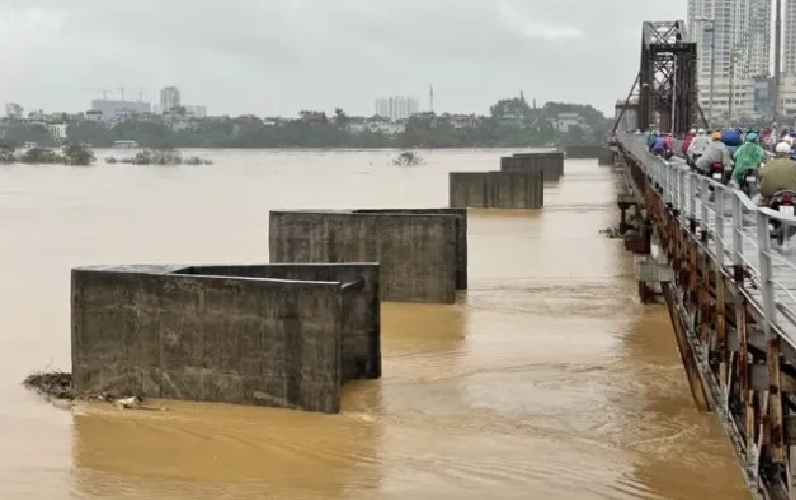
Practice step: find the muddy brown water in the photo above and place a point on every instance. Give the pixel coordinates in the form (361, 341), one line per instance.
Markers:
(548, 380)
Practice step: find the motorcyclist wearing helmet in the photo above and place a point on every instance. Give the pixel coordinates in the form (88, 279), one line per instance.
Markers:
(697, 146)
(732, 138)
(748, 157)
(715, 152)
(779, 174)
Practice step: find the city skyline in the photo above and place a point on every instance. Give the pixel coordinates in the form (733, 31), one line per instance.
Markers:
(275, 58)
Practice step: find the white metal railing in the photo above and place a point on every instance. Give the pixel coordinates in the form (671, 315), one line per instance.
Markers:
(738, 230)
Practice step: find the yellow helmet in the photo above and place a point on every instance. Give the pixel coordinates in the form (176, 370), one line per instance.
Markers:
(716, 136)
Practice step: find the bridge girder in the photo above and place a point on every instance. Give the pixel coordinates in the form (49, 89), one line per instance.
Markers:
(667, 78)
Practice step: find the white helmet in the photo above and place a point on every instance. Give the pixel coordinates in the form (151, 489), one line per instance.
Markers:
(783, 148)
(701, 131)
(693, 131)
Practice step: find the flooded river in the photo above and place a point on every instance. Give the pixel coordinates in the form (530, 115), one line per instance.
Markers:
(548, 380)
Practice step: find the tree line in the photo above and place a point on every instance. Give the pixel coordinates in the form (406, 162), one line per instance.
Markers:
(512, 123)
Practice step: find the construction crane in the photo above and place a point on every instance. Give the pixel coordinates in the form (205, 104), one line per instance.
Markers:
(141, 93)
(104, 92)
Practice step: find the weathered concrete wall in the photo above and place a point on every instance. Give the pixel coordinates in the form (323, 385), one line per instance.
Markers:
(582, 151)
(361, 321)
(419, 253)
(551, 163)
(232, 336)
(461, 234)
(468, 189)
(523, 189)
(607, 157)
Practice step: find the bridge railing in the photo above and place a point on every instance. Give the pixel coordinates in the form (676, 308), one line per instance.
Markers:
(737, 228)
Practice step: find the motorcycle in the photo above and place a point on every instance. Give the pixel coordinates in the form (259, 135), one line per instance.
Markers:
(750, 182)
(692, 161)
(668, 154)
(716, 172)
(785, 203)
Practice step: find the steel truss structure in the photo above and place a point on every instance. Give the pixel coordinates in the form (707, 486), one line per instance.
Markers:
(667, 78)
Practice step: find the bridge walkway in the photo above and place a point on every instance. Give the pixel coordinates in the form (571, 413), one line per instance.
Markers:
(731, 294)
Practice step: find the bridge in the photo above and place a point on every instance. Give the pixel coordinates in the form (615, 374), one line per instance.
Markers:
(706, 251)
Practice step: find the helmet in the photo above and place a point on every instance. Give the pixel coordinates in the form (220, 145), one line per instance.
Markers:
(670, 134)
(692, 131)
(751, 137)
(716, 136)
(783, 148)
(701, 131)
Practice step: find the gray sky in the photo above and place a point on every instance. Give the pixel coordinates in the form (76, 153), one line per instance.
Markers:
(280, 56)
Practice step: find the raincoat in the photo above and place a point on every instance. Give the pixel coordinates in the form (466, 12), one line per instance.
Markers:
(659, 144)
(716, 152)
(698, 145)
(686, 143)
(731, 137)
(748, 157)
(778, 175)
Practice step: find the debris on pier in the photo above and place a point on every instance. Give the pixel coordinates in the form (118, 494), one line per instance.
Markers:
(58, 386)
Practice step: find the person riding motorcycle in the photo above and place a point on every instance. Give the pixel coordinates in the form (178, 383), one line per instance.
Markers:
(748, 157)
(715, 152)
(687, 142)
(659, 146)
(669, 142)
(732, 138)
(697, 146)
(778, 175)
(649, 138)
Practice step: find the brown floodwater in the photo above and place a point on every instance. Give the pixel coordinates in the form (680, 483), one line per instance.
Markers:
(547, 380)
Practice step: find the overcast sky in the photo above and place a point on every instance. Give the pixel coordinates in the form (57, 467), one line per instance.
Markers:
(275, 57)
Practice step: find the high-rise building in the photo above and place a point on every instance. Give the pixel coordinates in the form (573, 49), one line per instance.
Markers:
(789, 37)
(14, 110)
(742, 53)
(742, 27)
(169, 98)
(396, 108)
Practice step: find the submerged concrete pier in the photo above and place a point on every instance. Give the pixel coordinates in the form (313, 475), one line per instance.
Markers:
(280, 335)
(583, 151)
(550, 163)
(422, 252)
(522, 189)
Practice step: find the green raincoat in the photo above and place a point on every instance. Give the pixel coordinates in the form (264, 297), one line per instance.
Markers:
(749, 156)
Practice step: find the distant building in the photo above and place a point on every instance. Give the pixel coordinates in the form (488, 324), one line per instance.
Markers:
(565, 121)
(396, 108)
(112, 110)
(196, 111)
(461, 121)
(313, 116)
(169, 98)
(57, 131)
(14, 110)
(94, 116)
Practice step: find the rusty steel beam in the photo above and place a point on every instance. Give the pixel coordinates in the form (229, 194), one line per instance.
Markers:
(667, 78)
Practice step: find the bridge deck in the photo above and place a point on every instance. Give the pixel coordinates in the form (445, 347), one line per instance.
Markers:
(736, 228)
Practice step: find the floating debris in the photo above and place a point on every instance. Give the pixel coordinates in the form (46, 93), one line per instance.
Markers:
(58, 386)
(611, 233)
